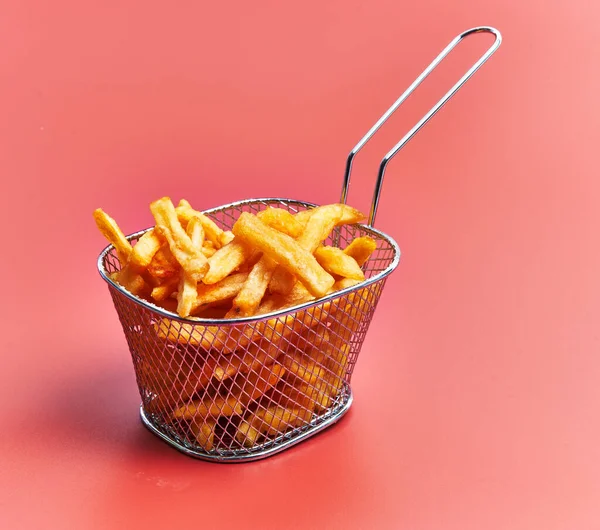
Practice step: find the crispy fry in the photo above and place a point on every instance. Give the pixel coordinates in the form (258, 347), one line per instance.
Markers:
(304, 367)
(336, 262)
(111, 231)
(303, 216)
(226, 237)
(283, 249)
(186, 297)
(273, 335)
(185, 212)
(275, 420)
(208, 251)
(281, 220)
(187, 255)
(145, 249)
(223, 290)
(204, 434)
(164, 291)
(318, 227)
(248, 299)
(130, 278)
(258, 381)
(361, 249)
(223, 340)
(164, 265)
(214, 406)
(295, 394)
(226, 260)
(246, 434)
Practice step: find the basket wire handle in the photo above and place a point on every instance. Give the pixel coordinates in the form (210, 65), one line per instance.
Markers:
(423, 120)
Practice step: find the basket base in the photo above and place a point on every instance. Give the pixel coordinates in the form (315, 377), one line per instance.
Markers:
(304, 434)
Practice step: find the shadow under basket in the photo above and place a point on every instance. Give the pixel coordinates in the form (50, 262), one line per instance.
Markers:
(244, 389)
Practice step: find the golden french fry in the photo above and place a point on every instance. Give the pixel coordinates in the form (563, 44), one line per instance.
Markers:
(187, 255)
(321, 222)
(248, 299)
(361, 249)
(165, 290)
(226, 260)
(226, 237)
(225, 340)
(304, 367)
(336, 262)
(204, 434)
(246, 434)
(214, 406)
(281, 220)
(163, 265)
(303, 216)
(295, 394)
(111, 231)
(344, 283)
(145, 249)
(276, 420)
(258, 381)
(285, 250)
(185, 212)
(208, 251)
(129, 277)
(225, 289)
(187, 294)
(274, 334)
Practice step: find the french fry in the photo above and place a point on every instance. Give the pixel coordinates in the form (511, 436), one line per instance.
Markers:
(258, 381)
(164, 265)
(247, 435)
(304, 367)
(295, 394)
(145, 249)
(303, 216)
(204, 434)
(190, 258)
(111, 231)
(185, 212)
(248, 299)
(208, 251)
(226, 260)
(214, 406)
(344, 283)
(226, 237)
(225, 289)
(361, 249)
(275, 420)
(130, 278)
(336, 262)
(321, 222)
(285, 250)
(187, 294)
(281, 220)
(274, 334)
(215, 338)
(164, 291)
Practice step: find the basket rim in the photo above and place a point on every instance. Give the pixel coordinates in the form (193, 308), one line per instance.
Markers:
(251, 319)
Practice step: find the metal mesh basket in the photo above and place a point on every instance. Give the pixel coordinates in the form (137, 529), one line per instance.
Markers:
(243, 389)
(196, 377)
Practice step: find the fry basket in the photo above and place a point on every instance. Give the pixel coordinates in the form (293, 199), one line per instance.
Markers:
(209, 387)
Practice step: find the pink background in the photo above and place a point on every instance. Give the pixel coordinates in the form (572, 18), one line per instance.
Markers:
(477, 392)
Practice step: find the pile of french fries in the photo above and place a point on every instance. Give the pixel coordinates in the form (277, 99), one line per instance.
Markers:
(261, 379)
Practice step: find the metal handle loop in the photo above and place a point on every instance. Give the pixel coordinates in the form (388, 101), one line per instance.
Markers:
(423, 120)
